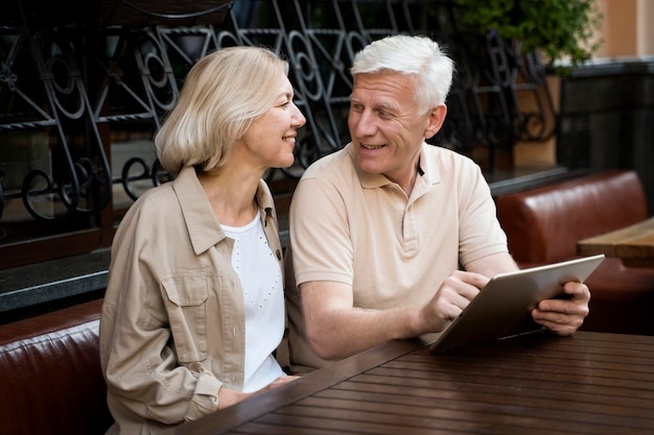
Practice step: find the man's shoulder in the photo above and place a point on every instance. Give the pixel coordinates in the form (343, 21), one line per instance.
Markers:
(445, 163)
(332, 165)
(443, 153)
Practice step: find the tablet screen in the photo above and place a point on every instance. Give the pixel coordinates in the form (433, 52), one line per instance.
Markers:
(503, 307)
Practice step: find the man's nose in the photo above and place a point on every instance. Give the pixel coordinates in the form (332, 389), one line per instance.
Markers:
(364, 125)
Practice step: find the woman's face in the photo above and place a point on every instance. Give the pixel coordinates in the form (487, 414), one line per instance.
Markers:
(270, 140)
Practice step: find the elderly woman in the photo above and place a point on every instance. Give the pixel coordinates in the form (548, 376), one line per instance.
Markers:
(194, 307)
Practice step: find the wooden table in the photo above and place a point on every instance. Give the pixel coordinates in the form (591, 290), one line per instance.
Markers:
(538, 383)
(633, 244)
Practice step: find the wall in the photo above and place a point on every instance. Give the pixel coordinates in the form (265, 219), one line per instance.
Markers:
(606, 116)
(626, 28)
(625, 32)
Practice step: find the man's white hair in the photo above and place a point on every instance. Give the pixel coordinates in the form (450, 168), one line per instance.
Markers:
(418, 56)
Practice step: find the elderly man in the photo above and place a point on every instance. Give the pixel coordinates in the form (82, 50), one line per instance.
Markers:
(378, 229)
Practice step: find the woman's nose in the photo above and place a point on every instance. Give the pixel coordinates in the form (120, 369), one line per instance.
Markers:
(298, 119)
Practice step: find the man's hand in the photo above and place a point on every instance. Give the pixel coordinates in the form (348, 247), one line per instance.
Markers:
(564, 316)
(336, 329)
(453, 296)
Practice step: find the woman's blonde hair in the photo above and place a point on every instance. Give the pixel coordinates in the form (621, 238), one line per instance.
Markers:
(223, 94)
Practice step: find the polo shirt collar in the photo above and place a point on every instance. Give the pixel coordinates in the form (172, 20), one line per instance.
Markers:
(428, 167)
(368, 181)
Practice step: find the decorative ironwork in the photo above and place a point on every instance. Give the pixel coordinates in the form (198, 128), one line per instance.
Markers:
(80, 182)
(92, 92)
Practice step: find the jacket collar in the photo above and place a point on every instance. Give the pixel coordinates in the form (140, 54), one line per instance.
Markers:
(202, 225)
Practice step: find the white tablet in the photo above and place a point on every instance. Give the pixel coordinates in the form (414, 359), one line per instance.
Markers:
(503, 307)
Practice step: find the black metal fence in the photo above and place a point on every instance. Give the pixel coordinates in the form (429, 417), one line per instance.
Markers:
(80, 98)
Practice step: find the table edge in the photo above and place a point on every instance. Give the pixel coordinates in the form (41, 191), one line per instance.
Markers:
(291, 392)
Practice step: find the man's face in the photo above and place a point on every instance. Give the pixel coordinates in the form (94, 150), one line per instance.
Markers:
(386, 127)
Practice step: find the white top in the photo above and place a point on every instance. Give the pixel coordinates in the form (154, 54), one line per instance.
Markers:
(261, 278)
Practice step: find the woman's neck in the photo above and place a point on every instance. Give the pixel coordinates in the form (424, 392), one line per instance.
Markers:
(232, 197)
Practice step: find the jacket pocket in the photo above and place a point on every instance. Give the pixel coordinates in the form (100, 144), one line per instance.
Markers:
(186, 303)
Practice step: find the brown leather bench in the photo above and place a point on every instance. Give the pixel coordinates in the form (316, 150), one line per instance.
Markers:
(50, 376)
(544, 224)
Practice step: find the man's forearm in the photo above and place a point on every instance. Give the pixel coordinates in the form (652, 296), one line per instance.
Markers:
(343, 333)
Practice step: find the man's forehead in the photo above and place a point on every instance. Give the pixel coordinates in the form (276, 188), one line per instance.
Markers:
(384, 81)
(383, 90)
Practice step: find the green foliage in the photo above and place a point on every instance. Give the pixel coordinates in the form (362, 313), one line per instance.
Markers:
(558, 29)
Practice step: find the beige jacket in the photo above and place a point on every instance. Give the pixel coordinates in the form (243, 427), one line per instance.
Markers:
(172, 330)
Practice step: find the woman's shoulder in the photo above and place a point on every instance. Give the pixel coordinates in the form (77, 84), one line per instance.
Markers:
(153, 204)
(156, 198)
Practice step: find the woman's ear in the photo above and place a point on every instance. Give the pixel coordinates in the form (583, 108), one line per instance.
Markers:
(435, 120)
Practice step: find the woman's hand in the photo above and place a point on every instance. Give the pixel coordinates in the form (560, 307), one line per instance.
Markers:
(227, 397)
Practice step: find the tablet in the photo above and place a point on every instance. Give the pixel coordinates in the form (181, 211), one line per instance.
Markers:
(503, 307)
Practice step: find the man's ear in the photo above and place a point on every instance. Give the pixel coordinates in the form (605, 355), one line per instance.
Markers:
(435, 120)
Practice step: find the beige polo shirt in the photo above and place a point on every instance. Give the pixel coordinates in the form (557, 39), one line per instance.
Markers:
(172, 330)
(362, 230)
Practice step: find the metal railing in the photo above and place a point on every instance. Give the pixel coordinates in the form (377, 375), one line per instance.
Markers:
(72, 92)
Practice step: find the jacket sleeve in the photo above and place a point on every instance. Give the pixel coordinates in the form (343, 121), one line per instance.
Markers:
(141, 366)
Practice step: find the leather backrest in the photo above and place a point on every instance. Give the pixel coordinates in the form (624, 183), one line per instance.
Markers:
(544, 224)
(50, 376)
